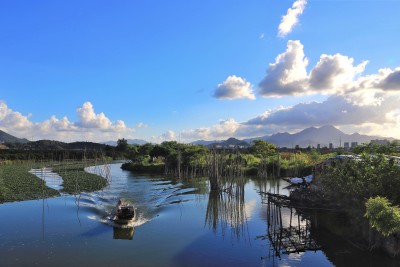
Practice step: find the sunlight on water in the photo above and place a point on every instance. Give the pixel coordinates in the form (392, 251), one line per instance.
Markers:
(53, 180)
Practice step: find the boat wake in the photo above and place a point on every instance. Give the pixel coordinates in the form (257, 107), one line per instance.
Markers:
(149, 195)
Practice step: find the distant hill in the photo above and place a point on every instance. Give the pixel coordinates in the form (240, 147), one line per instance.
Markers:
(130, 141)
(205, 143)
(229, 143)
(313, 136)
(8, 138)
(57, 145)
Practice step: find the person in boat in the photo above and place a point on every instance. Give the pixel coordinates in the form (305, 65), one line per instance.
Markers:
(119, 205)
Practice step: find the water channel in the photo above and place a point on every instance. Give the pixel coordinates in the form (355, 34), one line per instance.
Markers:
(179, 224)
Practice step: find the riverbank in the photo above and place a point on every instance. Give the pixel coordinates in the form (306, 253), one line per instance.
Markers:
(346, 221)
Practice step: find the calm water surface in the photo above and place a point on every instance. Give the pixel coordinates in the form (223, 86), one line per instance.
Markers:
(178, 224)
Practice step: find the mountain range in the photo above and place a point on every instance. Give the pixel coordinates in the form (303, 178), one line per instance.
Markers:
(312, 136)
(130, 141)
(8, 138)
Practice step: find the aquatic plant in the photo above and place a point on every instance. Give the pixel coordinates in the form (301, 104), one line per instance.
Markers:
(16, 183)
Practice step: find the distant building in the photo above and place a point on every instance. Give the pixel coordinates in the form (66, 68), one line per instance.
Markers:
(330, 146)
(318, 146)
(346, 145)
(354, 144)
(380, 142)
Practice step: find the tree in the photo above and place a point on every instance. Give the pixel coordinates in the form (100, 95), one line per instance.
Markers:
(122, 145)
(262, 148)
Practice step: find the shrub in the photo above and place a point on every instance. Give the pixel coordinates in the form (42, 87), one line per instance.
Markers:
(382, 216)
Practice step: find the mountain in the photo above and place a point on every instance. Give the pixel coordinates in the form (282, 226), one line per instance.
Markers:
(57, 145)
(313, 136)
(234, 142)
(204, 142)
(130, 141)
(8, 138)
(229, 143)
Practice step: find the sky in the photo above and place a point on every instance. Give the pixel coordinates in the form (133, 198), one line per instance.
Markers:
(188, 70)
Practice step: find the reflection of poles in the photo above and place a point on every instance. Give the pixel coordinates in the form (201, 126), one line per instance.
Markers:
(43, 219)
(227, 209)
(77, 203)
(291, 239)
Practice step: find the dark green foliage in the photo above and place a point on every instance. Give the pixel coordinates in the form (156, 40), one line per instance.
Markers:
(122, 145)
(359, 179)
(153, 168)
(391, 148)
(382, 216)
(263, 149)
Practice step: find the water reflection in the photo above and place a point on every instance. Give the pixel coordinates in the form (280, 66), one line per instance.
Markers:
(124, 233)
(228, 209)
(288, 231)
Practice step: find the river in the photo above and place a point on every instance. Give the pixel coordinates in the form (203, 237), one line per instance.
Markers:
(178, 224)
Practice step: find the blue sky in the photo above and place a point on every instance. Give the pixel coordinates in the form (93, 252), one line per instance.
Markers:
(188, 70)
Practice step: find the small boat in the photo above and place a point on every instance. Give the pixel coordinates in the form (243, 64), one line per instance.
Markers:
(125, 213)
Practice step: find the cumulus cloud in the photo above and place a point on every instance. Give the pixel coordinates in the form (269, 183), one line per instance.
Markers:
(336, 110)
(234, 87)
(224, 129)
(291, 18)
(368, 103)
(141, 125)
(90, 126)
(333, 74)
(288, 75)
(167, 136)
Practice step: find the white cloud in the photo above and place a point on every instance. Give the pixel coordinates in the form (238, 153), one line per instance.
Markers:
(89, 127)
(333, 74)
(11, 119)
(368, 103)
(169, 136)
(288, 75)
(336, 110)
(291, 18)
(141, 125)
(224, 129)
(234, 87)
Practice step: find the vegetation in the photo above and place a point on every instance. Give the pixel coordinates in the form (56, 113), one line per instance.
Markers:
(16, 183)
(370, 180)
(183, 160)
(354, 180)
(382, 216)
(391, 148)
(76, 180)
